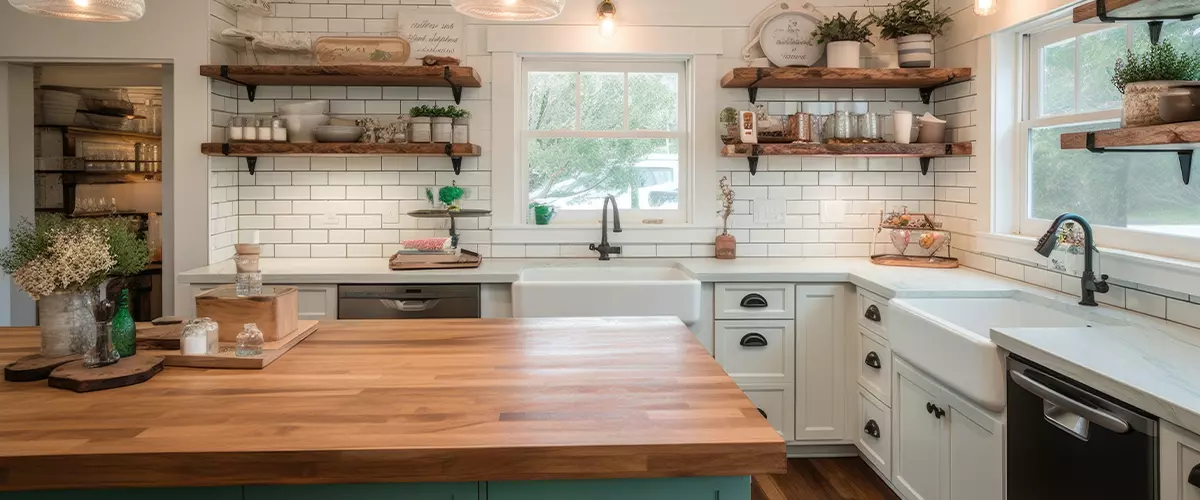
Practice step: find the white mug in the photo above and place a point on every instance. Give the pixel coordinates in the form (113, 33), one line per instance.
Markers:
(902, 124)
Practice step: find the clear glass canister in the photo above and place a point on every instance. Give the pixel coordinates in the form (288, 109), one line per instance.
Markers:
(200, 337)
(250, 341)
(278, 129)
(237, 128)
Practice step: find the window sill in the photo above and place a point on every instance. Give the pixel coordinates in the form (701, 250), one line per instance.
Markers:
(1166, 273)
(569, 233)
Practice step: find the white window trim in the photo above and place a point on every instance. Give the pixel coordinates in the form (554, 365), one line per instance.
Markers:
(629, 64)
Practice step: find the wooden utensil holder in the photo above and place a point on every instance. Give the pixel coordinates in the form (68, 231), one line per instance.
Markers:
(276, 311)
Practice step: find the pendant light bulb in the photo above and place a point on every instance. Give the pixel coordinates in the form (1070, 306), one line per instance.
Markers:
(986, 7)
(606, 12)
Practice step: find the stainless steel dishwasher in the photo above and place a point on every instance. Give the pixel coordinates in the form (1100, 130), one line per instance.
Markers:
(408, 301)
(1067, 441)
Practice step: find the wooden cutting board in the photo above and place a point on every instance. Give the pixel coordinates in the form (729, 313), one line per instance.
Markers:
(465, 260)
(228, 359)
(128, 371)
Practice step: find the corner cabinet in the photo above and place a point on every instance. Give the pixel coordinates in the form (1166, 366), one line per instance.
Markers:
(820, 363)
(1179, 463)
(945, 448)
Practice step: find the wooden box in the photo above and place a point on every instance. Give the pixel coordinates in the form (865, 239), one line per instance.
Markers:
(276, 311)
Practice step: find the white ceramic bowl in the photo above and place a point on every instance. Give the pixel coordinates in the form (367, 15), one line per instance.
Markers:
(305, 108)
(338, 133)
(300, 127)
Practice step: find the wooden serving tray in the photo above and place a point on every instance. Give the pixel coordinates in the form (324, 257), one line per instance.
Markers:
(465, 260)
(914, 261)
(226, 359)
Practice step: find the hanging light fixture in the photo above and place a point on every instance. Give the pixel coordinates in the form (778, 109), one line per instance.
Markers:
(510, 10)
(103, 11)
(986, 7)
(607, 13)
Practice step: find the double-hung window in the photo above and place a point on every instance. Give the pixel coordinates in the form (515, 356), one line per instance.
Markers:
(1135, 201)
(594, 128)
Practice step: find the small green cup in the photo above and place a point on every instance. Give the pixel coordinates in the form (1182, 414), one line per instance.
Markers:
(542, 214)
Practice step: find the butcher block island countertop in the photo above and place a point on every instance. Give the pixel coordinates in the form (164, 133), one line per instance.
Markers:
(400, 402)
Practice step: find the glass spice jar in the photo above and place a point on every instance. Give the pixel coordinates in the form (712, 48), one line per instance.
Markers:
(250, 341)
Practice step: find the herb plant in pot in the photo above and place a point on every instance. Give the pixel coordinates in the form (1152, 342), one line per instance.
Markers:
(912, 24)
(1145, 78)
(843, 38)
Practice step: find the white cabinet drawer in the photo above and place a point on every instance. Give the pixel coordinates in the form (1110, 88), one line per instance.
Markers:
(874, 427)
(757, 351)
(872, 312)
(875, 366)
(775, 403)
(755, 301)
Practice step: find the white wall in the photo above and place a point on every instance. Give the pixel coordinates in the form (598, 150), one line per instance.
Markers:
(172, 32)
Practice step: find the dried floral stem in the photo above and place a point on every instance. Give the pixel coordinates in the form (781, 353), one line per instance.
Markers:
(726, 204)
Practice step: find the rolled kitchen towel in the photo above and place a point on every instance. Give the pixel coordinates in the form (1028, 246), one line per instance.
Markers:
(427, 244)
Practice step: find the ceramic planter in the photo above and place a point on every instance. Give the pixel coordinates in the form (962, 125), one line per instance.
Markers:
(726, 247)
(443, 129)
(915, 51)
(1141, 102)
(843, 54)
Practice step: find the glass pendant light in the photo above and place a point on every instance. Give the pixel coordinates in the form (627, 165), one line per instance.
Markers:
(104, 11)
(985, 7)
(510, 10)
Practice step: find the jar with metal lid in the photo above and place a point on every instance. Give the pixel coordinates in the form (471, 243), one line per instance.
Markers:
(200, 337)
(278, 129)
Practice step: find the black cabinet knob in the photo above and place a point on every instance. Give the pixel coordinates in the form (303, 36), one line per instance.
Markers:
(1194, 476)
(872, 429)
(754, 301)
(763, 413)
(873, 360)
(753, 340)
(873, 313)
(929, 408)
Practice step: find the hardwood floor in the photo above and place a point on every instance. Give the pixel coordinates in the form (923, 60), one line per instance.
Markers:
(823, 479)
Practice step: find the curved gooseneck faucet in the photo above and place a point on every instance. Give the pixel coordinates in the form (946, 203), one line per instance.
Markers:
(1090, 286)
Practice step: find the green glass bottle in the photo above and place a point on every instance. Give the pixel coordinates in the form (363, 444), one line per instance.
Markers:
(124, 332)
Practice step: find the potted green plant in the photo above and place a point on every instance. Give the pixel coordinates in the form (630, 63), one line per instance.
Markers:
(913, 24)
(462, 125)
(1144, 78)
(843, 38)
(419, 124)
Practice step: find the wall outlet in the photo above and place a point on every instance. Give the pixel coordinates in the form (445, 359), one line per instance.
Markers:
(329, 220)
(769, 211)
(391, 216)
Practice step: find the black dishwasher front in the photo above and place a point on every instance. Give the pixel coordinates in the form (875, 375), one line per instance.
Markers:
(1067, 441)
(408, 301)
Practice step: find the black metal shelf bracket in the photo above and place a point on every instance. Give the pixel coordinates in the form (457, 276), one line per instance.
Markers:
(1185, 155)
(927, 161)
(455, 88)
(250, 89)
(456, 160)
(759, 74)
(927, 92)
(1156, 22)
(251, 161)
(755, 151)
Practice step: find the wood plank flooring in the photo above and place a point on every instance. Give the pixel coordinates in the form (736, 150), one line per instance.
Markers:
(823, 479)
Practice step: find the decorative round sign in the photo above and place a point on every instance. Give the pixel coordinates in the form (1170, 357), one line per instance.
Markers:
(787, 40)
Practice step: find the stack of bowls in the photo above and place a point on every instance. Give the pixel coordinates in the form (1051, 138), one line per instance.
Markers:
(303, 118)
(58, 107)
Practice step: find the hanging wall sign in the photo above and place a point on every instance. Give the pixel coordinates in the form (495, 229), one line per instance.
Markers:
(432, 32)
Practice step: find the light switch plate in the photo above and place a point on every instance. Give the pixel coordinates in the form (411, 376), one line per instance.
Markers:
(329, 221)
(769, 211)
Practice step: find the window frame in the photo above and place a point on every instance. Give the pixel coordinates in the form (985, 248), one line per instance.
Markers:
(1029, 118)
(632, 64)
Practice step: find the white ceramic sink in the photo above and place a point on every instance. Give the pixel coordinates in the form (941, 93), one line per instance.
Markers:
(950, 338)
(617, 289)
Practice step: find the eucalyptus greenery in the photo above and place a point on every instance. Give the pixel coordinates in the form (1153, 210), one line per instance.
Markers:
(844, 29)
(1161, 62)
(912, 17)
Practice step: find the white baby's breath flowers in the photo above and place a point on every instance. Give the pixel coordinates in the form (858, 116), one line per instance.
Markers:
(77, 258)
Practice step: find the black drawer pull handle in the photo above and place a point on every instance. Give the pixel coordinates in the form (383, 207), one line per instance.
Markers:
(763, 413)
(754, 340)
(872, 429)
(754, 301)
(935, 410)
(873, 360)
(873, 313)
(1194, 476)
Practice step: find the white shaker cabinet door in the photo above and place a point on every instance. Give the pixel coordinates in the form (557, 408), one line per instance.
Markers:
(917, 442)
(820, 362)
(976, 456)
(1179, 459)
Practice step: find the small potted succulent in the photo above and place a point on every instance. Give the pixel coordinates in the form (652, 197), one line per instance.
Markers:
(419, 124)
(913, 24)
(462, 125)
(726, 243)
(843, 38)
(1145, 78)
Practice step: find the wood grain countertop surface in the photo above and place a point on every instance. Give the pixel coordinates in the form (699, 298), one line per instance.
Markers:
(401, 401)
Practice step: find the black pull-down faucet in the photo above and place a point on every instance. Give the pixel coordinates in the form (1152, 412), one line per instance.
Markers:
(604, 248)
(1090, 286)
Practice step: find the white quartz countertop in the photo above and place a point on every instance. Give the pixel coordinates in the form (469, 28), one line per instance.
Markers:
(886, 281)
(1156, 369)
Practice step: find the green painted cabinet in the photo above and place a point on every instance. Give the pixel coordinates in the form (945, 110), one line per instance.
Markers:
(221, 493)
(694, 488)
(390, 491)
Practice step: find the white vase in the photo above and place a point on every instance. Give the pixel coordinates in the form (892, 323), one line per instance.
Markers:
(67, 323)
(843, 54)
(915, 51)
(443, 129)
(902, 124)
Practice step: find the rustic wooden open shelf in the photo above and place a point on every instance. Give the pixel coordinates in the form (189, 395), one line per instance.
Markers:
(252, 150)
(1152, 11)
(455, 77)
(925, 79)
(925, 152)
(1180, 138)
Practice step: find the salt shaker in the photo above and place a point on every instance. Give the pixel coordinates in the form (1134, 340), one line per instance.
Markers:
(250, 341)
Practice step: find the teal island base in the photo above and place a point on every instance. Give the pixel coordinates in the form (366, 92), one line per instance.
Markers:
(685, 488)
